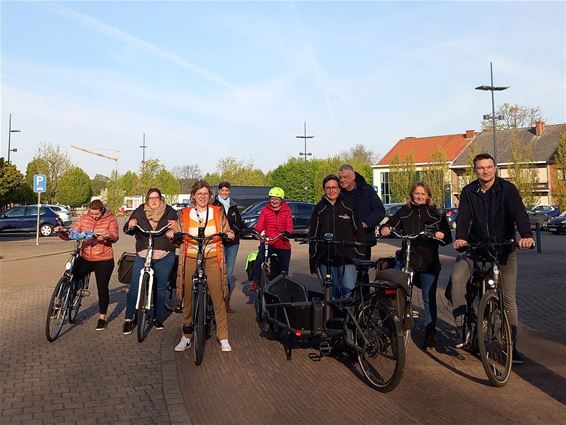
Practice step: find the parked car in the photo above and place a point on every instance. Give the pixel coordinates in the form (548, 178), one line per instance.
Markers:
(538, 218)
(549, 210)
(451, 216)
(301, 212)
(557, 224)
(24, 219)
(390, 210)
(64, 214)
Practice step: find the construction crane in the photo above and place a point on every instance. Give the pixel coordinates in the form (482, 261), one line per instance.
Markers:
(114, 157)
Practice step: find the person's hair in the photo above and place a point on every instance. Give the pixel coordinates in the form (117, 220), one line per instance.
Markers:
(199, 184)
(96, 205)
(223, 184)
(426, 188)
(481, 156)
(346, 167)
(330, 177)
(153, 190)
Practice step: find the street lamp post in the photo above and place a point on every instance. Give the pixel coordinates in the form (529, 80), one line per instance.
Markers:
(492, 88)
(144, 147)
(305, 154)
(10, 131)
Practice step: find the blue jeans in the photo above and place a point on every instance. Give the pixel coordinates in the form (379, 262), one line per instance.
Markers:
(162, 273)
(343, 279)
(428, 286)
(230, 253)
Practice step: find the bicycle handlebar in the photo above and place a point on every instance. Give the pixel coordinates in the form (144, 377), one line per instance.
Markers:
(256, 235)
(204, 240)
(427, 234)
(151, 232)
(330, 241)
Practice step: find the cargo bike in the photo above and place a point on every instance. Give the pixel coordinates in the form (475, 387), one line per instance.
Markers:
(369, 325)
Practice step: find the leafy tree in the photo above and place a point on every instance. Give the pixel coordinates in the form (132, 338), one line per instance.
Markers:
(187, 175)
(514, 116)
(559, 176)
(74, 188)
(37, 166)
(237, 173)
(435, 174)
(98, 183)
(12, 185)
(128, 183)
(168, 184)
(154, 174)
(291, 177)
(523, 171)
(58, 163)
(402, 175)
(114, 192)
(323, 168)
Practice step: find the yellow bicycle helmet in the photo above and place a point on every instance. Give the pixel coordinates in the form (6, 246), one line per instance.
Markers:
(277, 191)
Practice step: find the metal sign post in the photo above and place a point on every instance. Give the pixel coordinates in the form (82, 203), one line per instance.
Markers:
(39, 186)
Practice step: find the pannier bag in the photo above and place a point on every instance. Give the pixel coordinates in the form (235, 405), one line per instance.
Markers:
(126, 266)
(250, 264)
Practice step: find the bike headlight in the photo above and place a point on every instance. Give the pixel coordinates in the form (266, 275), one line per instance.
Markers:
(68, 265)
(491, 283)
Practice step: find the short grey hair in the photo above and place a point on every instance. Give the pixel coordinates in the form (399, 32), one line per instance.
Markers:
(346, 167)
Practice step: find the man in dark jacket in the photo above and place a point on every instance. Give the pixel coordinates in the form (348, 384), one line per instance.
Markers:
(331, 215)
(362, 198)
(490, 207)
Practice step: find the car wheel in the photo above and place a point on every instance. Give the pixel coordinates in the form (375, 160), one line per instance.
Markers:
(46, 230)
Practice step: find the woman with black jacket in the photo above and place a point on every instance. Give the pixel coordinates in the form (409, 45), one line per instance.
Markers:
(417, 215)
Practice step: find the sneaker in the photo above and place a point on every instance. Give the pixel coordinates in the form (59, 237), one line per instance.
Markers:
(128, 327)
(225, 345)
(461, 337)
(101, 325)
(183, 344)
(517, 357)
(253, 287)
(158, 324)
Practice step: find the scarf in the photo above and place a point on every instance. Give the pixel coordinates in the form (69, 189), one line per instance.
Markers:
(154, 215)
(225, 203)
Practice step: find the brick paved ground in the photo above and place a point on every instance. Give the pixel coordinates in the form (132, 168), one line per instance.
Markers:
(105, 377)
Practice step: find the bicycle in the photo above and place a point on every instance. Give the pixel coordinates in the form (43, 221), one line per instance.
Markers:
(68, 293)
(204, 321)
(486, 325)
(144, 301)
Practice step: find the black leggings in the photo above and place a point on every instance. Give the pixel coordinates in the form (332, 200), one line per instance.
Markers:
(102, 271)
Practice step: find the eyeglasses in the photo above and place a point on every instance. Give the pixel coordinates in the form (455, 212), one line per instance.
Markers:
(202, 194)
(331, 188)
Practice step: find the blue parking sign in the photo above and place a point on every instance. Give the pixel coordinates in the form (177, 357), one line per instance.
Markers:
(39, 183)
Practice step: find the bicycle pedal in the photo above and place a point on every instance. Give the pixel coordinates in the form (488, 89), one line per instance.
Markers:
(415, 314)
(324, 348)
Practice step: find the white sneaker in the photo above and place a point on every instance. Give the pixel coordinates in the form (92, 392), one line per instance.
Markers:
(225, 345)
(183, 344)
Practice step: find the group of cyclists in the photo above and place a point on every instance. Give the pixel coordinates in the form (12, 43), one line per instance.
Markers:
(490, 209)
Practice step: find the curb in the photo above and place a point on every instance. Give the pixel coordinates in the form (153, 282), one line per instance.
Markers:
(5, 260)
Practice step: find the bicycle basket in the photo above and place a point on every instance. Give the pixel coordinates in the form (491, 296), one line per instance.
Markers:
(126, 266)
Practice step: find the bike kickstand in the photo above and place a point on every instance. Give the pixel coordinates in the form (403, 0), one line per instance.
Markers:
(289, 345)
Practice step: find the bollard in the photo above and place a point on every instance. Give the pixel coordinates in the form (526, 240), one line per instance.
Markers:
(539, 243)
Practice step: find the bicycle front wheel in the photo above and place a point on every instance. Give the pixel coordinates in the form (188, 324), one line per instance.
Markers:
(76, 300)
(199, 326)
(494, 339)
(142, 314)
(383, 360)
(57, 310)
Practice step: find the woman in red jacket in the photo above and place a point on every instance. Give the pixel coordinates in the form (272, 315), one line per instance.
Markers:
(96, 254)
(274, 219)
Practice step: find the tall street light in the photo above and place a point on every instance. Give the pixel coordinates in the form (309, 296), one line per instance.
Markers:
(492, 88)
(305, 154)
(10, 131)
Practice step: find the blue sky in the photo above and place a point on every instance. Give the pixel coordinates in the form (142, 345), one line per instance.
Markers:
(206, 80)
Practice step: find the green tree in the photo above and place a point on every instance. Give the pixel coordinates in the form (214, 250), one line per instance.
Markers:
(98, 183)
(523, 171)
(402, 175)
(114, 192)
(58, 163)
(37, 166)
(168, 184)
(154, 174)
(323, 168)
(74, 188)
(291, 177)
(12, 185)
(514, 116)
(559, 180)
(241, 173)
(435, 173)
(128, 183)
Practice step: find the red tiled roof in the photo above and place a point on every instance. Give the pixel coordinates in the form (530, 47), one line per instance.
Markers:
(423, 147)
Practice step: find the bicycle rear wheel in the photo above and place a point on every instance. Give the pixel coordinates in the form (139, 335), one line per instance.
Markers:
(57, 311)
(494, 339)
(142, 314)
(383, 360)
(199, 325)
(75, 303)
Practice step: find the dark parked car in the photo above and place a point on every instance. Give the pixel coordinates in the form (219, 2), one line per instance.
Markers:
(301, 212)
(451, 216)
(24, 219)
(557, 224)
(390, 210)
(549, 210)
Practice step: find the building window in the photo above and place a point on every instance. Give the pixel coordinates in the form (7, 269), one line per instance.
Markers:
(385, 190)
(561, 174)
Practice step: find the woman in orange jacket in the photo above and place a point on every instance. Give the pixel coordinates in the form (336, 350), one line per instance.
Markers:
(96, 254)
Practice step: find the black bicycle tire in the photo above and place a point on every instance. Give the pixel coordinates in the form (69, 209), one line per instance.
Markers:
(142, 312)
(199, 327)
(497, 380)
(75, 306)
(58, 292)
(387, 326)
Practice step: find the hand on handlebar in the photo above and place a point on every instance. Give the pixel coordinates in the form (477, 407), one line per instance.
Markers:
(385, 231)
(439, 235)
(132, 223)
(526, 243)
(459, 243)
